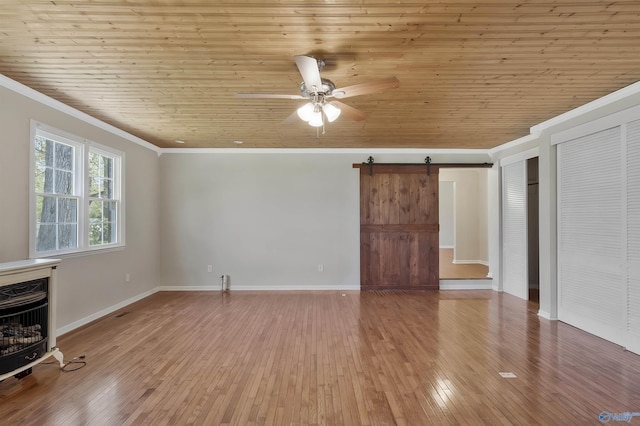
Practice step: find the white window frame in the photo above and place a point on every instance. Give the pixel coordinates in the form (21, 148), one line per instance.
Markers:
(83, 148)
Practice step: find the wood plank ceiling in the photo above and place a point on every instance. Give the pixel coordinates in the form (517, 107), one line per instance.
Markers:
(472, 74)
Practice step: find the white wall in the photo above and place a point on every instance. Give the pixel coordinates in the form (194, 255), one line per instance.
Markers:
(471, 206)
(267, 220)
(91, 283)
(446, 206)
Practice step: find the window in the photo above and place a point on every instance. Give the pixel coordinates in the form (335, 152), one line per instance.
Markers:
(103, 205)
(76, 194)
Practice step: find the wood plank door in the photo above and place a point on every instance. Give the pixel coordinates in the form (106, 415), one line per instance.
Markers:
(399, 245)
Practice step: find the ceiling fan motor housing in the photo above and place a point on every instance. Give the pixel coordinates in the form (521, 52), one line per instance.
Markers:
(327, 89)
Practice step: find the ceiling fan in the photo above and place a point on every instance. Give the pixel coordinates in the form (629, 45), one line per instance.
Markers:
(318, 92)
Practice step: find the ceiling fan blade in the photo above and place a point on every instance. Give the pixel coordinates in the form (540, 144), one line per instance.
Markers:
(376, 86)
(308, 68)
(268, 96)
(292, 118)
(349, 111)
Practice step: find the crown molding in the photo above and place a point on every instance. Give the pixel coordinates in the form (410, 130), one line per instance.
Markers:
(363, 151)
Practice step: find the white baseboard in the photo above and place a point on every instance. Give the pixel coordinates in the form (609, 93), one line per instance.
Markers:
(86, 320)
(296, 287)
(546, 315)
(238, 287)
(474, 284)
(470, 262)
(446, 247)
(190, 288)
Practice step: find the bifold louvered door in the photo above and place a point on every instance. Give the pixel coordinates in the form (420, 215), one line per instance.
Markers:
(514, 229)
(592, 277)
(633, 235)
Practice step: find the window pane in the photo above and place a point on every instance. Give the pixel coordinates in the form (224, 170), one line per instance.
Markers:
(95, 234)
(64, 182)
(95, 211)
(43, 147)
(48, 147)
(94, 164)
(108, 167)
(39, 202)
(111, 221)
(107, 188)
(102, 222)
(46, 209)
(48, 181)
(46, 237)
(94, 187)
(109, 211)
(64, 157)
(67, 236)
(39, 179)
(68, 210)
(109, 233)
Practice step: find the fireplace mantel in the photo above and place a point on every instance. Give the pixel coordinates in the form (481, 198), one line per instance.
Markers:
(28, 270)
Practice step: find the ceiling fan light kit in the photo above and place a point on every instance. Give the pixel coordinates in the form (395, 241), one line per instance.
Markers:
(315, 112)
(316, 118)
(305, 112)
(317, 90)
(331, 111)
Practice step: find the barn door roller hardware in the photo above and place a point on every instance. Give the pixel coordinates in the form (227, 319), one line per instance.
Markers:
(427, 161)
(370, 163)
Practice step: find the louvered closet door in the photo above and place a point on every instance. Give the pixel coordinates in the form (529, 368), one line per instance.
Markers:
(592, 282)
(633, 236)
(514, 229)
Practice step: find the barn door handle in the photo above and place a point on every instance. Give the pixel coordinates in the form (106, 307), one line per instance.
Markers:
(428, 162)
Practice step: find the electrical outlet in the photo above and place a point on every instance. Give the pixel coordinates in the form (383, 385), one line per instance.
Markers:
(209, 268)
(320, 267)
(127, 277)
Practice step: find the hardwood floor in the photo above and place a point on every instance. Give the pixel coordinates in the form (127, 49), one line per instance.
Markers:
(450, 270)
(328, 358)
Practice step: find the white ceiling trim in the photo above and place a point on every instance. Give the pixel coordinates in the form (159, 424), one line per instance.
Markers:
(521, 156)
(364, 151)
(513, 143)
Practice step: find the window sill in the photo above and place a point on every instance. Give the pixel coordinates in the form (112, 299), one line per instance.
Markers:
(82, 253)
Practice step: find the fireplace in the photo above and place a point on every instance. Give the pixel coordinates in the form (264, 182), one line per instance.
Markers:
(27, 316)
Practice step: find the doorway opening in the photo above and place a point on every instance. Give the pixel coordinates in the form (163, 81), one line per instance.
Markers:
(533, 243)
(463, 218)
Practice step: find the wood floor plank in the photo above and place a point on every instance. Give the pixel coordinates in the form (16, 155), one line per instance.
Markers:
(319, 358)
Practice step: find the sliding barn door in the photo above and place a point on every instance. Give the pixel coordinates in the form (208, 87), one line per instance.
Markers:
(399, 228)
